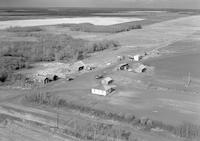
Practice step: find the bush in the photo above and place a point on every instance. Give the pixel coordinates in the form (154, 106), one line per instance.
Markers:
(3, 75)
(9, 65)
(144, 120)
(129, 117)
(136, 122)
(13, 63)
(149, 123)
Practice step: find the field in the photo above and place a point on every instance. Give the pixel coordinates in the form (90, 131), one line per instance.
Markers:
(161, 104)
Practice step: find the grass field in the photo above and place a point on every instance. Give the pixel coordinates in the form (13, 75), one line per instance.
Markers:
(134, 91)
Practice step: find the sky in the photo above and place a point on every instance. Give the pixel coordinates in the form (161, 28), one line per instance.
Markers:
(190, 4)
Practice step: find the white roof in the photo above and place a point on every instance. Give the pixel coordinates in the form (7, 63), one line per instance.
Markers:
(138, 55)
(104, 87)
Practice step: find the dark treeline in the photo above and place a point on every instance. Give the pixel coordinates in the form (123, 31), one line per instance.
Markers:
(185, 130)
(24, 29)
(87, 27)
(51, 48)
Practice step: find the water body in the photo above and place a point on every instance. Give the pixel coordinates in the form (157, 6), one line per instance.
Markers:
(74, 20)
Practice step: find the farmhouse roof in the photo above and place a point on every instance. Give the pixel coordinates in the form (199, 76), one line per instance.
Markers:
(104, 87)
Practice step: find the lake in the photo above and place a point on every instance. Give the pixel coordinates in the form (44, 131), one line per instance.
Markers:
(74, 20)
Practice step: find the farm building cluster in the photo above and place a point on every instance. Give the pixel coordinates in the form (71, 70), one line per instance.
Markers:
(136, 67)
(133, 63)
(49, 72)
(54, 71)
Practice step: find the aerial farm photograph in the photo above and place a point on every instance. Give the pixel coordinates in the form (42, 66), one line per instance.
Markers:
(99, 70)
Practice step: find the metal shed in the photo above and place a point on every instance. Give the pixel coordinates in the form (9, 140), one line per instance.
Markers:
(106, 81)
(141, 68)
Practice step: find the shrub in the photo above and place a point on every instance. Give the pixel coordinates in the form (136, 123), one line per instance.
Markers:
(12, 63)
(136, 121)
(3, 75)
(9, 65)
(129, 117)
(144, 120)
(149, 123)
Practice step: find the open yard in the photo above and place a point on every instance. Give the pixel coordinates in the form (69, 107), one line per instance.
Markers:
(157, 96)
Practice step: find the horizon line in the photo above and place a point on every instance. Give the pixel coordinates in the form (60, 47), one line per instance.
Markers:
(47, 7)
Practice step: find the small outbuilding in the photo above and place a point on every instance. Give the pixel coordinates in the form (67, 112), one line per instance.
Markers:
(79, 66)
(137, 57)
(141, 68)
(130, 57)
(106, 81)
(120, 58)
(90, 67)
(124, 66)
(103, 90)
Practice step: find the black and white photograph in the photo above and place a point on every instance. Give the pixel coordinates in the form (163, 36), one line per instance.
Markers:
(99, 70)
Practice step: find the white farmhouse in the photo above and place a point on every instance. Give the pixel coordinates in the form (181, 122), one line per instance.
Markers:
(102, 90)
(137, 57)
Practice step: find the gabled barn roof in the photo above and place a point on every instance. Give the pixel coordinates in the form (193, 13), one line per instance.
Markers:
(77, 65)
(106, 80)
